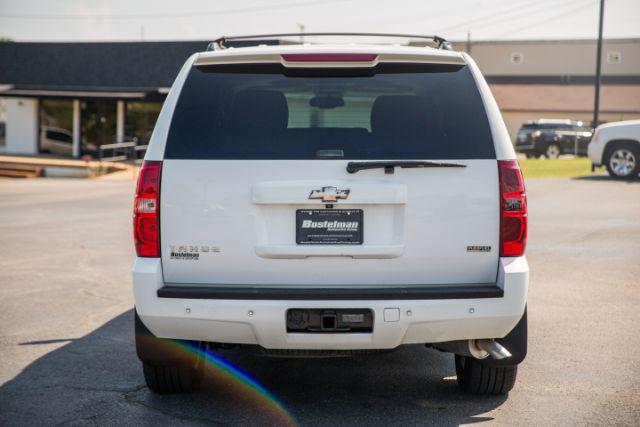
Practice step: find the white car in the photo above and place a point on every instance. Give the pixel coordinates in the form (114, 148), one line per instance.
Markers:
(330, 199)
(617, 146)
(56, 141)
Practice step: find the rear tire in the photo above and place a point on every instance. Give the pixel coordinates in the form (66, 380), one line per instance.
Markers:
(476, 378)
(169, 366)
(172, 379)
(552, 151)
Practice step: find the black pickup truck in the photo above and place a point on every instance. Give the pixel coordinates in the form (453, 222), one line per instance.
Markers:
(551, 138)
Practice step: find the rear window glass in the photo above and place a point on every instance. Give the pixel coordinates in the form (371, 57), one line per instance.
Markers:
(553, 126)
(395, 111)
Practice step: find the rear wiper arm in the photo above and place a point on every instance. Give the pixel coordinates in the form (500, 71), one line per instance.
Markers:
(389, 166)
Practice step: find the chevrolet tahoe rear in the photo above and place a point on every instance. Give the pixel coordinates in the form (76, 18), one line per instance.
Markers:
(319, 199)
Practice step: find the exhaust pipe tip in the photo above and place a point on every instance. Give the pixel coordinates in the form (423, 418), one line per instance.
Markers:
(476, 348)
(491, 347)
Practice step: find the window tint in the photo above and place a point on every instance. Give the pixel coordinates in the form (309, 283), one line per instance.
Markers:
(393, 112)
(547, 126)
(59, 136)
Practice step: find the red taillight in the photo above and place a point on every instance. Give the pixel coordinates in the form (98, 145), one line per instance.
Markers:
(146, 210)
(513, 209)
(329, 57)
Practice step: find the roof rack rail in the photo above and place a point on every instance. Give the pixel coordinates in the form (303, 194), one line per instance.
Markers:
(219, 43)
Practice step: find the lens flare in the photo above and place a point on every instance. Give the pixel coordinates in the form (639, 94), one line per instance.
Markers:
(242, 383)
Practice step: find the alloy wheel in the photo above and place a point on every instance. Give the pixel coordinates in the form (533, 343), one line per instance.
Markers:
(622, 161)
(552, 152)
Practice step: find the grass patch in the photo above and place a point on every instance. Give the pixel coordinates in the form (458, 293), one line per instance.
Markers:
(558, 168)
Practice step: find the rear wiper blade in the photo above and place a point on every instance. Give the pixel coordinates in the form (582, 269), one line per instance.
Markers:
(389, 166)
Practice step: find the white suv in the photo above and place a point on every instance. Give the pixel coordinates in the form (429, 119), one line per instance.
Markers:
(330, 199)
(617, 146)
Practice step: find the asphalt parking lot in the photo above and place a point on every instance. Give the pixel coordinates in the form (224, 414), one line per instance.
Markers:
(66, 341)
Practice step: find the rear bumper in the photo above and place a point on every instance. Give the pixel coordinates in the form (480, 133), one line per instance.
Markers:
(331, 294)
(402, 316)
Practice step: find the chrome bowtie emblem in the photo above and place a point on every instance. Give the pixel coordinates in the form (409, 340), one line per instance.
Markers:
(329, 194)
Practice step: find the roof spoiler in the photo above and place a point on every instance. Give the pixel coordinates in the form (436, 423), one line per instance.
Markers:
(220, 43)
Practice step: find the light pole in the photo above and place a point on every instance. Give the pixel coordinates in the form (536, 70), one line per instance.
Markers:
(596, 106)
(469, 42)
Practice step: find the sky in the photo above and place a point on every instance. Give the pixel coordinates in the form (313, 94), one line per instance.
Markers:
(120, 20)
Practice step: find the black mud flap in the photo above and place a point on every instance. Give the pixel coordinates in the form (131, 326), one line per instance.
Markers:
(160, 351)
(515, 342)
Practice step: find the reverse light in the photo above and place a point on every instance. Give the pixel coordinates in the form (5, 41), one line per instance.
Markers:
(513, 209)
(146, 210)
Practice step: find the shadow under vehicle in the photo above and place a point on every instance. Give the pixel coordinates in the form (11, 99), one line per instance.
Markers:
(96, 379)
